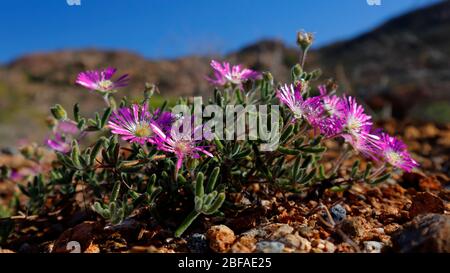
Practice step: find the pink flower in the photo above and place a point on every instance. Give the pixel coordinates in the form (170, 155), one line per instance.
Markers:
(164, 120)
(355, 122)
(58, 143)
(133, 124)
(330, 126)
(101, 80)
(356, 128)
(394, 151)
(182, 145)
(225, 73)
(16, 176)
(67, 127)
(333, 110)
(21, 174)
(368, 149)
(332, 104)
(63, 135)
(309, 109)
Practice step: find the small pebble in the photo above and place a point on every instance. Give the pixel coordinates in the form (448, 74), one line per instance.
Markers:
(379, 230)
(373, 247)
(245, 244)
(25, 248)
(269, 247)
(279, 230)
(9, 151)
(220, 238)
(320, 246)
(338, 213)
(197, 243)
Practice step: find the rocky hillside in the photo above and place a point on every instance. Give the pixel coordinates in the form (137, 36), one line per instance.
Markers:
(403, 64)
(405, 61)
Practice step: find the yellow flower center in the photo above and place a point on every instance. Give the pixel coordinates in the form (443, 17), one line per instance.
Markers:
(329, 109)
(353, 125)
(183, 146)
(393, 157)
(234, 77)
(105, 85)
(143, 130)
(298, 112)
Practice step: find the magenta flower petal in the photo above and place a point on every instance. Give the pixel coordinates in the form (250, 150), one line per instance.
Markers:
(16, 176)
(179, 161)
(200, 149)
(356, 122)
(108, 73)
(67, 127)
(164, 120)
(330, 126)
(332, 104)
(63, 134)
(58, 143)
(330, 122)
(367, 148)
(158, 131)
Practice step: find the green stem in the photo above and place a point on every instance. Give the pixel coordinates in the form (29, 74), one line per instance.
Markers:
(377, 171)
(300, 133)
(286, 125)
(302, 62)
(341, 159)
(186, 223)
(106, 99)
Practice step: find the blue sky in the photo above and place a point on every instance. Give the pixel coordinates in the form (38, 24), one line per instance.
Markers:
(172, 28)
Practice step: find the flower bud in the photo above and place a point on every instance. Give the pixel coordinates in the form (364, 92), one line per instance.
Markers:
(316, 74)
(27, 151)
(267, 76)
(150, 89)
(58, 112)
(304, 39)
(297, 71)
(331, 85)
(192, 163)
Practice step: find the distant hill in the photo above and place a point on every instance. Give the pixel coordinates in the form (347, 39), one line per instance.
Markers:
(403, 63)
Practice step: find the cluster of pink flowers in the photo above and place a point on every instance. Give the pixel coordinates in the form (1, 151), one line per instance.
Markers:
(343, 117)
(137, 124)
(331, 115)
(134, 124)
